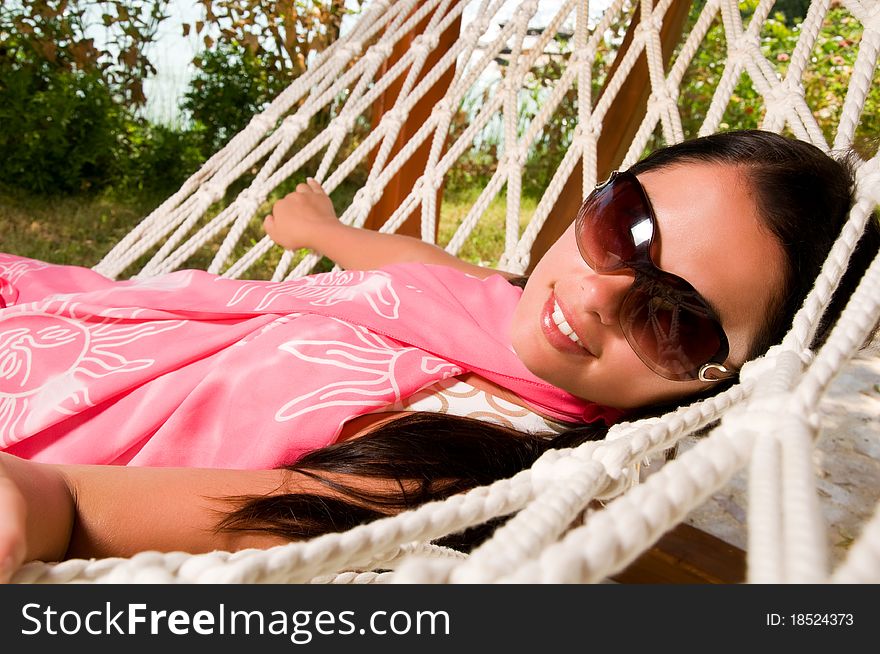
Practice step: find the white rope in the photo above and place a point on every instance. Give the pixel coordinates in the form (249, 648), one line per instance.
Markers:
(767, 422)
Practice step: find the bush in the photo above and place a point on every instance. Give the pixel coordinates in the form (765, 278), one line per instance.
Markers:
(231, 87)
(58, 129)
(158, 159)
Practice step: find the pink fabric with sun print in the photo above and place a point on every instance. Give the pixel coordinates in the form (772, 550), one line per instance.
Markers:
(192, 369)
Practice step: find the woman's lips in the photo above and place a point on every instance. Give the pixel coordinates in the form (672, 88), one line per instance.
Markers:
(554, 335)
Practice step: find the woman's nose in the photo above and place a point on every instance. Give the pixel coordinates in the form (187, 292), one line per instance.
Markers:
(604, 293)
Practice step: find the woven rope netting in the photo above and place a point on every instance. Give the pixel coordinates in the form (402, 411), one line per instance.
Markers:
(767, 424)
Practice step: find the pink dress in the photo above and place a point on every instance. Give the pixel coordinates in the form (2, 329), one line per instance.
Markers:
(192, 369)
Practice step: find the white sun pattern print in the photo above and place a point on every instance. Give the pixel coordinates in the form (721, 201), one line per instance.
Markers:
(326, 290)
(11, 270)
(50, 354)
(370, 361)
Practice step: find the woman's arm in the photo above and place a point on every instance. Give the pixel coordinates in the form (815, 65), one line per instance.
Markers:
(36, 514)
(305, 218)
(52, 512)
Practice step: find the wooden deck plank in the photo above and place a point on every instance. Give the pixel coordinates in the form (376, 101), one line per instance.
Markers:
(687, 555)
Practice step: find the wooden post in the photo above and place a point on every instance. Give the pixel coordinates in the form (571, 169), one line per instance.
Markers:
(628, 110)
(402, 183)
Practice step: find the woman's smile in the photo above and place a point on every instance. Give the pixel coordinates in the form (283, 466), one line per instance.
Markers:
(558, 330)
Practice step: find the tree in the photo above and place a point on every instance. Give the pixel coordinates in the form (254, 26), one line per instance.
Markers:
(794, 10)
(61, 35)
(283, 35)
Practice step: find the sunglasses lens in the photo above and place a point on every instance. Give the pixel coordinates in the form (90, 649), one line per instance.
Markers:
(674, 334)
(614, 223)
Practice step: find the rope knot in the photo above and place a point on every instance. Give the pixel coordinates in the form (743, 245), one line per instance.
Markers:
(614, 457)
(748, 42)
(592, 130)
(379, 52)
(432, 181)
(529, 7)
(293, 126)
(395, 118)
(775, 358)
(261, 122)
(213, 191)
(558, 466)
(248, 200)
(580, 56)
(426, 42)
(518, 155)
(515, 263)
(660, 96)
(782, 96)
(761, 414)
(474, 31)
(743, 49)
(443, 107)
(348, 51)
(648, 26)
(367, 196)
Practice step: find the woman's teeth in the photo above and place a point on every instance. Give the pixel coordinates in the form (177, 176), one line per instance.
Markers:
(563, 325)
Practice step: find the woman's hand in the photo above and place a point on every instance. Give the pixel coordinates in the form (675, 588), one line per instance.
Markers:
(304, 218)
(37, 511)
(13, 523)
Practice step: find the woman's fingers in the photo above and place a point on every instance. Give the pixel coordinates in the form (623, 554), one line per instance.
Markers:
(311, 185)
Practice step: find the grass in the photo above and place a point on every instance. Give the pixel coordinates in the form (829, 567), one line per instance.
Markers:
(66, 230)
(79, 230)
(485, 244)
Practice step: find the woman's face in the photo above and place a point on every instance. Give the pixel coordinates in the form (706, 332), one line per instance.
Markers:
(708, 232)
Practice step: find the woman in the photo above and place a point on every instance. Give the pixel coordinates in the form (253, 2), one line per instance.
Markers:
(674, 274)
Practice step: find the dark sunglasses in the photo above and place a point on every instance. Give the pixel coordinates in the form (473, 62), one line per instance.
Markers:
(668, 324)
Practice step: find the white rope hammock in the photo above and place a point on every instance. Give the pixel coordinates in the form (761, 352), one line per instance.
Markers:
(768, 422)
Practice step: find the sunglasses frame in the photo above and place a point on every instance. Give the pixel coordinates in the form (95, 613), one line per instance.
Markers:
(644, 267)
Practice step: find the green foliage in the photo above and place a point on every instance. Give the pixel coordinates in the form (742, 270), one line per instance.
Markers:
(69, 118)
(65, 132)
(793, 10)
(554, 139)
(159, 159)
(231, 86)
(283, 34)
(58, 33)
(68, 109)
(825, 80)
(58, 129)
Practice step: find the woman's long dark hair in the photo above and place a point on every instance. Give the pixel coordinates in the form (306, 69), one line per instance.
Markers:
(804, 197)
